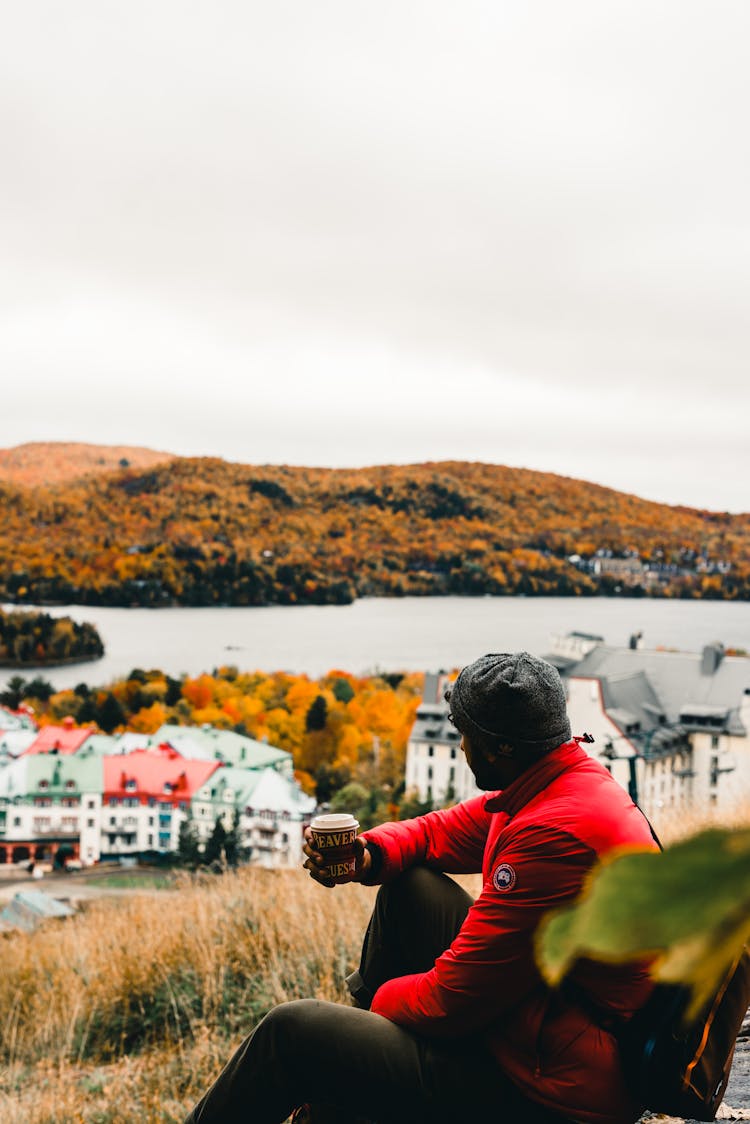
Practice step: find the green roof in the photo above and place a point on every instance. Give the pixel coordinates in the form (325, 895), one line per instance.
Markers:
(242, 782)
(224, 744)
(86, 773)
(98, 744)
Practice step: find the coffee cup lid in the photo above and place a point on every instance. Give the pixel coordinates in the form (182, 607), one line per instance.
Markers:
(334, 822)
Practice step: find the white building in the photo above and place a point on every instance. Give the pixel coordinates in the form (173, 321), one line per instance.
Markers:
(672, 727)
(271, 808)
(682, 718)
(436, 768)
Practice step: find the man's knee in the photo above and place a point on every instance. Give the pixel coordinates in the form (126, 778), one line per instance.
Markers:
(290, 1022)
(411, 886)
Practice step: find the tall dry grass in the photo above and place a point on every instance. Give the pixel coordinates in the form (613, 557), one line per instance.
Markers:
(128, 1010)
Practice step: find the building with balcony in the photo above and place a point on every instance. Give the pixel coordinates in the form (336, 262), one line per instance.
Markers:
(50, 805)
(674, 724)
(270, 808)
(672, 727)
(146, 796)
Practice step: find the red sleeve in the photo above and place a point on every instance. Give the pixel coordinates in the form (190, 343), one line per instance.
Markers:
(490, 966)
(452, 840)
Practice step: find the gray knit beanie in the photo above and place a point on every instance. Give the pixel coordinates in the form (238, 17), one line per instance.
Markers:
(512, 697)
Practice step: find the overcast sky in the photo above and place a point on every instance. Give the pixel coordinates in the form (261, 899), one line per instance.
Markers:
(341, 233)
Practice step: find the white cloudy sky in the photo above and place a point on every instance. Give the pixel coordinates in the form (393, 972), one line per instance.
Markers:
(345, 233)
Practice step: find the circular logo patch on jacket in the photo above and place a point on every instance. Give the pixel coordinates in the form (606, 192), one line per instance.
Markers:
(504, 877)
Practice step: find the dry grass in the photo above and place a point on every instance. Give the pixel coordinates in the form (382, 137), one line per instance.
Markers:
(673, 824)
(128, 1010)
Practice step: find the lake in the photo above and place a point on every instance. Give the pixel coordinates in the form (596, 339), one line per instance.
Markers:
(412, 633)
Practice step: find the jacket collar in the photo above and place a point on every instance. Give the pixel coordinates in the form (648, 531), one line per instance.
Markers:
(531, 782)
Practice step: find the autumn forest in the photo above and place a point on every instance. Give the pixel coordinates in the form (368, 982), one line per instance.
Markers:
(203, 531)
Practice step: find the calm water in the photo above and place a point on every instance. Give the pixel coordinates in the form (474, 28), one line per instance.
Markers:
(413, 633)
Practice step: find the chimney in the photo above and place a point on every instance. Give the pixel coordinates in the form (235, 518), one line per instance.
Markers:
(431, 685)
(712, 656)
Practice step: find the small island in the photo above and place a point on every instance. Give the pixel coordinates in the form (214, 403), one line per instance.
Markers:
(34, 639)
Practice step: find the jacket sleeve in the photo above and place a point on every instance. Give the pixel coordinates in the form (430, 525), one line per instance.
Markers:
(490, 965)
(452, 840)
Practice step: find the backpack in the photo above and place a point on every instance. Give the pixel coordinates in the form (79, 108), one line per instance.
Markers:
(681, 1067)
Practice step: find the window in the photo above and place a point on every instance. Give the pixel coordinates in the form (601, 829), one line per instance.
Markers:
(453, 753)
(429, 773)
(69, 785)
(43, 785)
(89, 823)
(130, 786)
(430, 750)
(16, 821)
(714, 741)
(91, 803)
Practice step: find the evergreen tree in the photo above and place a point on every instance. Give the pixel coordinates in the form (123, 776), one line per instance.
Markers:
(14, 692)
(187, 844)
(215, 851)
(317, 714)
(232, 841)
(110, 714)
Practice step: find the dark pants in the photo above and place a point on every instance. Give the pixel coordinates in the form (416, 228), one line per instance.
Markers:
(358, 1064)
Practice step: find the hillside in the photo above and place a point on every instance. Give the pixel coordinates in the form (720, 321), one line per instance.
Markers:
(204, 531)
(53, 462)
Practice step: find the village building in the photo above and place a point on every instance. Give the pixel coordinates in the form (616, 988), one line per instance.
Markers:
(50, 807)
(269, 808)
(17, 731)
(65, 739)
(211, 743)
(147, 795)
(75, 793)
(436, 768)
(672, 727)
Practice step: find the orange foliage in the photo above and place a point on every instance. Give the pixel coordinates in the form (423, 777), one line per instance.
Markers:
(202, 531)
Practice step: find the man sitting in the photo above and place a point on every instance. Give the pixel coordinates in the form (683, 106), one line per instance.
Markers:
(452, 1019)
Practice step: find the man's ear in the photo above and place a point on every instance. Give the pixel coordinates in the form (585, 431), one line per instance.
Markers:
(502, 749)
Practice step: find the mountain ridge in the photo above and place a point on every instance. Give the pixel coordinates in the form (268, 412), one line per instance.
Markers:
(204, 530)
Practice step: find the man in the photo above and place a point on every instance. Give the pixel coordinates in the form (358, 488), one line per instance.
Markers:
(453, 1021)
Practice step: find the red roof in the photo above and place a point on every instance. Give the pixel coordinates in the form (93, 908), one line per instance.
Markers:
(145, 773)
(63, 739)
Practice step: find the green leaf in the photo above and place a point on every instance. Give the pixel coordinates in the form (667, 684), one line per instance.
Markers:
(686, 909)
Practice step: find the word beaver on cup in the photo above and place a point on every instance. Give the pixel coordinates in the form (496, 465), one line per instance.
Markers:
(333, 836)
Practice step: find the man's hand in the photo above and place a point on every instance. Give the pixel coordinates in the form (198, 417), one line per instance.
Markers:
(316, 864)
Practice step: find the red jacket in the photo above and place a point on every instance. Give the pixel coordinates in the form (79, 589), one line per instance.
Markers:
(534, 843)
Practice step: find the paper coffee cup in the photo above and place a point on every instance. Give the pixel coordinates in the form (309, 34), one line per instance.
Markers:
(334, 835)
